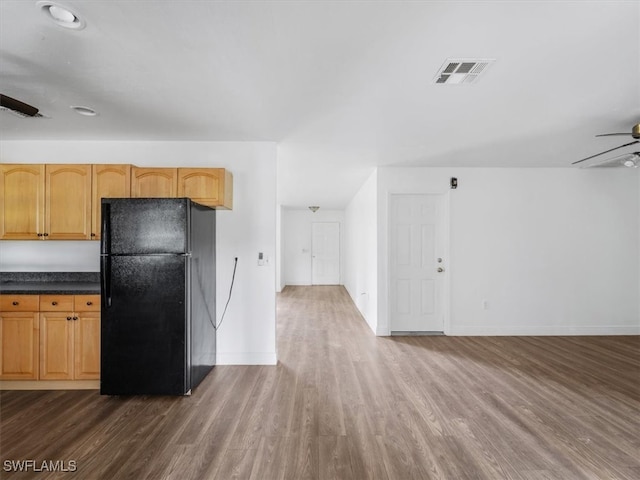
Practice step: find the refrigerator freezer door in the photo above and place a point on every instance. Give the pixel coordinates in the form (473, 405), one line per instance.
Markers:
(144, 332)
(141, 226)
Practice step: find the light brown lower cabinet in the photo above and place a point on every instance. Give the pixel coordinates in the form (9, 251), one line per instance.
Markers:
(50, 337)
(69, 337)
(19, 334)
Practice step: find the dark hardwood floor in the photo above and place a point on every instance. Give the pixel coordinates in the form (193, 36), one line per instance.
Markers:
(343, 404)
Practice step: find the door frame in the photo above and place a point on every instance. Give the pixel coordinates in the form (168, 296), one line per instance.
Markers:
(446, 240)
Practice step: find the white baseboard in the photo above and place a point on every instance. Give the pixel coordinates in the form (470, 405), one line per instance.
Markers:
(560, 330)
(382, 331)
(247, 358)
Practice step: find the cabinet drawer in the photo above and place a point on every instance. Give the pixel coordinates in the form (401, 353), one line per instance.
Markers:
(87, 303)
(19, 303)
(56, 303)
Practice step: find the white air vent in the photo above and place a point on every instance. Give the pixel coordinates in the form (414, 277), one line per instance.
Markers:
(457, 71)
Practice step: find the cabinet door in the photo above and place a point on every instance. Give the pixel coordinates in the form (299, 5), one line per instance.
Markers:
(108, 181)
(154, 182)
(19, 343)
(87, 346)
(56, 345)
(68, 202)
(22, 202)
(207, 186)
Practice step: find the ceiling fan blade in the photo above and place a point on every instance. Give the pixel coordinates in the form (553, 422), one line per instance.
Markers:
(606, 151)
(16, 106)
(618, 160)
(612, 134)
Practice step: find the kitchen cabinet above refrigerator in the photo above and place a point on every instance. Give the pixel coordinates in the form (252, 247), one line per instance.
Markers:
(62, 202)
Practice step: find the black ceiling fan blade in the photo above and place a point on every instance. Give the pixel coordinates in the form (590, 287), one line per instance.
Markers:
(18, 106)
(606, 151)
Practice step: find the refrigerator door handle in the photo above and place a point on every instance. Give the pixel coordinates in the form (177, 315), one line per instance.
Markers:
(105, 278)
(105, 245)
(105, 251)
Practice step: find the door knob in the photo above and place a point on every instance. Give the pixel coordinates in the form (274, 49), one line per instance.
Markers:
(440, 269)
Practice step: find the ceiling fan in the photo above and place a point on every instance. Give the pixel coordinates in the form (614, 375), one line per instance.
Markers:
(17, 107)
(635, 134)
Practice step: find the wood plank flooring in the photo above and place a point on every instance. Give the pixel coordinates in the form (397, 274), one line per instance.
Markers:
(344, 404)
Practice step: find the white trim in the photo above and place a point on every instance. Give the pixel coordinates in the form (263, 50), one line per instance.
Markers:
(563, 330)
(383, 331)
(247, 358)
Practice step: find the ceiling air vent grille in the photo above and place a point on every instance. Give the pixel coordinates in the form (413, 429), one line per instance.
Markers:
(461, 71)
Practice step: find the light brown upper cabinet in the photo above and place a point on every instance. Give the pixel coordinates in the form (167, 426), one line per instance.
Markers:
(154, 182)
(63, 202)
(67, 202)
(22, 195)
(109, 181)
(208, 186)
(45, 202)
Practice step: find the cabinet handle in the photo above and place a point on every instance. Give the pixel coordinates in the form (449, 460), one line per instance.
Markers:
(89, 303)
(68, 318)
(40, 234)
(46, 234)
(15, 303)
(75, 318)
(54, 303)
(93, 234)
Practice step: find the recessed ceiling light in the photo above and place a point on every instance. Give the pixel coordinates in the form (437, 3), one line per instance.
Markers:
(61, 15)
(86, 111)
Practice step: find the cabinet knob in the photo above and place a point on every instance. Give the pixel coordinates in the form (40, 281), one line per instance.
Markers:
(75, 318)
(46, 234)
(54, 303)
(68, 318)
(15, 303)
(89, 303)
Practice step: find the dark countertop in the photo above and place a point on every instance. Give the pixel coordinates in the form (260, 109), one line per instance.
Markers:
(53, 283)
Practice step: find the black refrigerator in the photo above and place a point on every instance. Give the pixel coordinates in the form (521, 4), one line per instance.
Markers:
(158, 269)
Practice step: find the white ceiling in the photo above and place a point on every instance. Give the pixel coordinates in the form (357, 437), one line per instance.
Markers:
(341, 86)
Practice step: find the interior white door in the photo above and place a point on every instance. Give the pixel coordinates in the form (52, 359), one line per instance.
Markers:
(417, 263)
(325, 253)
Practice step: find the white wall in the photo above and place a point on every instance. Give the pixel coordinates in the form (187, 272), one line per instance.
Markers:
(552, 251)
(361, 255)
(49, 256)
(296, 242)
(247, 335)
